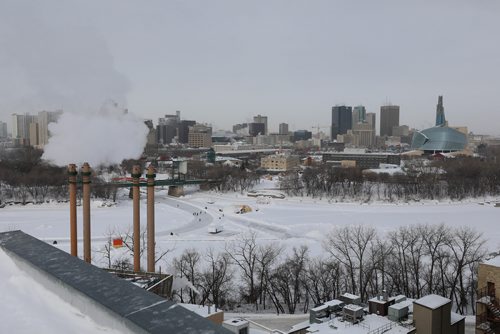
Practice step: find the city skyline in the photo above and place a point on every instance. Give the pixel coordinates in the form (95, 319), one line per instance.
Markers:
(226, 62)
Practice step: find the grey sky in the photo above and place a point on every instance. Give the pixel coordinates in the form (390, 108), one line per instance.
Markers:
(225, 61)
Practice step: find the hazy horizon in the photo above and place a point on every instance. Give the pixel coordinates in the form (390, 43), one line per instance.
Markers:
(224, 61)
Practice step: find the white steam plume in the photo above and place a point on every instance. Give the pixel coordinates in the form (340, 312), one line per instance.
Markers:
(106, 137)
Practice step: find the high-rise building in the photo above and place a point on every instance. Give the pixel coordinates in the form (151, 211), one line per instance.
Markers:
(364, 134)
(3, 130)
(44, 119)
(389, 118)
(200, 136)
(440, 119)
(283, 129)
(184, 131)
(371, 119)
(21, 127)
(34, 135)
(358, 115)
(261, 119)
(255, 129)
(341, 120)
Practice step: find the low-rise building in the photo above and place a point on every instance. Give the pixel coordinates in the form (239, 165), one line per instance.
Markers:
(279, 162)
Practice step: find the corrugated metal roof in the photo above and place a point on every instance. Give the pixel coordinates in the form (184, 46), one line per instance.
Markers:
(146, 310)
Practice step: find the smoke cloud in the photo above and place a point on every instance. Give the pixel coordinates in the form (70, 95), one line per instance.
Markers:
(106, 137)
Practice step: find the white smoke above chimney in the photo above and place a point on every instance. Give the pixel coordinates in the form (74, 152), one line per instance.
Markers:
(104, 137)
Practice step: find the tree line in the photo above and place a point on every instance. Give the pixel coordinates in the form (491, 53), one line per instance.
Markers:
(452, 178)
(413, 260)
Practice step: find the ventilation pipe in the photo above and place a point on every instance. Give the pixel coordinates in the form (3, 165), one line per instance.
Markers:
(86, 211)
(151, 218)
(72, 173)
(136, 174)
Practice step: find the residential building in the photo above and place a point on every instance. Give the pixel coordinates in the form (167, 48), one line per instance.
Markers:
(44, 119)
(341, 120)
(21, 127)
(261, 119)
(487, 305)
(34, 135)
(279, 162)
(389, 118)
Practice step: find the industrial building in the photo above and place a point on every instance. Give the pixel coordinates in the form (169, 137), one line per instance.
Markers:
(109, 301)
(363, 160)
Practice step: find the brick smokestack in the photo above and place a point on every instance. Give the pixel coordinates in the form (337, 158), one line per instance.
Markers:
(86, 211)
(136, 174)
(151, 218)
(72, 173)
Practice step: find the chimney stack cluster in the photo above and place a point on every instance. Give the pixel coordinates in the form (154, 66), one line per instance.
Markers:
(85, 180)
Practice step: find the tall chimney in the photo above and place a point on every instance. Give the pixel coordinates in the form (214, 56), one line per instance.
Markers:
(72, 208)
(86, 212)
(151, 218)
(136, 174)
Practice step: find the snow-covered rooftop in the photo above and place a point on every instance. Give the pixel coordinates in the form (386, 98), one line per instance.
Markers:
(432, 301)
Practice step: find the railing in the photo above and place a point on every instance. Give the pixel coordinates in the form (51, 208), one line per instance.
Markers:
(485, 292)
(383, 328)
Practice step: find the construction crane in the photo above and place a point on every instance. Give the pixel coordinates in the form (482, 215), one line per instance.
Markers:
(318, 127)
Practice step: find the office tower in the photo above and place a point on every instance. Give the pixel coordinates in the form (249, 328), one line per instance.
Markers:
(21, 127)
(184, 131)
(371, 119)
(283, 129)
(358, 115)
(200, 136)
(364, 134)
(44, 119)
(341, 120)
(389, 118)
(255, 129)
(261, 119)
(440, 119)
(3, 130)
(302, 135)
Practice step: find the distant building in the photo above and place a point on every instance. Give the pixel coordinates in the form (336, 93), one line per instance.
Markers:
(34, 135)
(200, 136)
(44, 119)
(440, 118)
(358, 115)
(3, 130)
(363, 160)
(364, 135)
(21, 128)
(261, 119)
(255, 129)
(389, 118)
(183, 131)
(283, 129)
(341, 120)
(371, 119)
(279, 162)
(302, 135)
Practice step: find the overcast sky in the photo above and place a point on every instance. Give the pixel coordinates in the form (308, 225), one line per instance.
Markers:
(224, 61)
